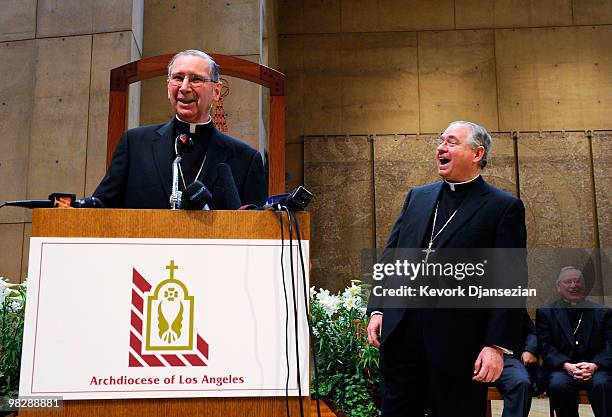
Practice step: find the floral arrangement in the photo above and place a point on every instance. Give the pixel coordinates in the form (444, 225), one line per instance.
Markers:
(347, 364)
(12, 306)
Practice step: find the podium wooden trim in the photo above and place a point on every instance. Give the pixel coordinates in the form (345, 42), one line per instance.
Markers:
(111, 223)
(182, 224)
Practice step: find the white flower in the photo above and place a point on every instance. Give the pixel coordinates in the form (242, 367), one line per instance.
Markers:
(352, 297)
(330, 303)
(323, 295)
(8, 290)
(313, 291)
(15, 305)
(5, 291)
(331, 306)
(351, 303)
(352, 292)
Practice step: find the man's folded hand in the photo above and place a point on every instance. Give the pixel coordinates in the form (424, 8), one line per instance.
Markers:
(489, 365)
(374, 328)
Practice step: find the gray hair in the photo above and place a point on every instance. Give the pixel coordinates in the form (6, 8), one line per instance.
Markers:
(569, 268)
(214, 68)
(478, 137)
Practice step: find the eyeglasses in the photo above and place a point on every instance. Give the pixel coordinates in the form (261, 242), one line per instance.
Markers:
(568, 283)
(451, 141)
(194, 80)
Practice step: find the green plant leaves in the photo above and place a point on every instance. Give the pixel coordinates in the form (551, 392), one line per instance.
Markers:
(11, 336)
(348, 365)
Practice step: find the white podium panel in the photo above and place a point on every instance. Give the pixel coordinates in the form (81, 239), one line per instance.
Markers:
(145, 318)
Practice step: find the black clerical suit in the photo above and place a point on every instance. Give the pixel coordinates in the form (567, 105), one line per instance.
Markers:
(578, 333)
(428, 355)
(140, 174)
(517, 383)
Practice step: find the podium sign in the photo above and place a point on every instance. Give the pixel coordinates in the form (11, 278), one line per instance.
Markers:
(146, 318)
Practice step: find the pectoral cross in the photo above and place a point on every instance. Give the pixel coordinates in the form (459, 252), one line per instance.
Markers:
(428, 251)
(172, 268)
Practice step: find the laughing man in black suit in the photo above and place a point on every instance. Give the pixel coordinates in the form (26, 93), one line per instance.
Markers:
(441, 356)
(140, 174)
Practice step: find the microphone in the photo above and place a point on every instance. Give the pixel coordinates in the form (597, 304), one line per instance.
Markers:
(225, 193)
(175, 196)
(296, 200)
(183, 143)
(89, 202)
(31, 204)
(196, 196)
(61, 200)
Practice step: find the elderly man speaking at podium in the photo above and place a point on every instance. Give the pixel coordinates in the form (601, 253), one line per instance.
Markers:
(439, 358)
(141, 171)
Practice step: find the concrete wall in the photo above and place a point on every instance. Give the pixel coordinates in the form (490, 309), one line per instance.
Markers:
(370, 85)
(55, 58)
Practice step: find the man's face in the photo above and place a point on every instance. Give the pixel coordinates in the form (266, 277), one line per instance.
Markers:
(571, 286)
(194, 94)
(456, 160)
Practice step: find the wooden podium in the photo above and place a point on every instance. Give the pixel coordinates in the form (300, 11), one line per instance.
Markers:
(109, 223)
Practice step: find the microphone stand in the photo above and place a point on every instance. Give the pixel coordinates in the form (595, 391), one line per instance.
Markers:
(175, 197)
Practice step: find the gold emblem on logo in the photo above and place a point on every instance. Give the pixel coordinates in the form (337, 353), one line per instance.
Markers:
(169, 323)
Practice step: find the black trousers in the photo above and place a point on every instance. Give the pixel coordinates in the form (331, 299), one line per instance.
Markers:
(562, 390)
(515, 385)
(412, 384)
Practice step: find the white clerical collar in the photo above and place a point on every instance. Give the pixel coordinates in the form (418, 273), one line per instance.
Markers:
(192, 126)
(452, 184)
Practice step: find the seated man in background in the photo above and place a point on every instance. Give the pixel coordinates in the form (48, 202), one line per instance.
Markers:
(516, 382)
(575, 337)
(140, 174)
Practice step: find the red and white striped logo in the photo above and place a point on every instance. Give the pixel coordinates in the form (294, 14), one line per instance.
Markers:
(137, 356)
